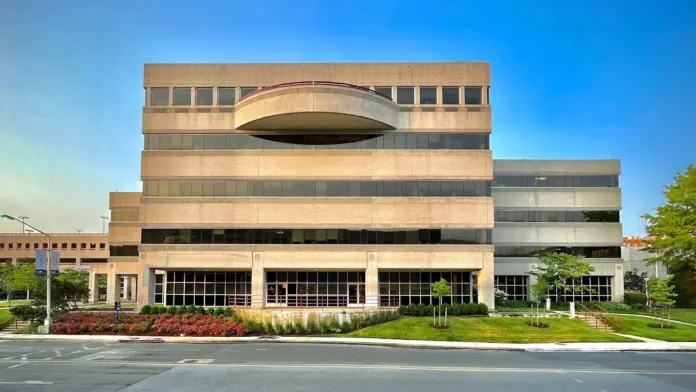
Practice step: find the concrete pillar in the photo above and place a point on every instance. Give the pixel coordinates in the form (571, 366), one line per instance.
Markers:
(125, 295)
(134, 288)
(113, 281)
(617, 287)
(78, 264)
(93, 287)
(258, 279)
(14, 261)
(146, 287)
(486, 282)
(371, 281)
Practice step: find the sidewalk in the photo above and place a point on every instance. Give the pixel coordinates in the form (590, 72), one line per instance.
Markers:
(543, 347)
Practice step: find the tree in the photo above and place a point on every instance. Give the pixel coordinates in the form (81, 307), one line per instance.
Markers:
(77, 282)
(556, 270)
(674, 227)
(635, 281)
(440, 289)
(661, 294)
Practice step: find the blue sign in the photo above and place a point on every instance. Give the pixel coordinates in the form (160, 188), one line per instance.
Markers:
(42, 262)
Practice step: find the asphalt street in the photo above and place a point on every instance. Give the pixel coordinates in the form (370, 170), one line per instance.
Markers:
(128, 367)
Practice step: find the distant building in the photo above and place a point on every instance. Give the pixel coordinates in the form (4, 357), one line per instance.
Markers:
(635, 257)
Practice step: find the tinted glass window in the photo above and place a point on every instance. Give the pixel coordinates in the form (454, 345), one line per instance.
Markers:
(204, 96)
(159, 96)
(387, 91)
(244, 91)
(428, 95)
(555, 181)
(472, 95)
(182, 96)
(226, 95)
(450, 95)
(404, 95)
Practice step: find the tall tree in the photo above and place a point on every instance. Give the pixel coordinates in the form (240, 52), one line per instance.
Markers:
(674, 227)
(634, 280)
(557, 270)
(661, 293)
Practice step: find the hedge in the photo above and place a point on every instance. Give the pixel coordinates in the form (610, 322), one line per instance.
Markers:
(460, 309)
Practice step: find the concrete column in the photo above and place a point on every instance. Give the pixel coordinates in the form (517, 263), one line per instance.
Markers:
(146, 287)
(126, 287)
(617, 287)
(134, 288)
(93, 287)
(258, 279)
(371, 281)
(14, 261)
(78, 264)
(112, 287)
(486, 282)
(484, 95)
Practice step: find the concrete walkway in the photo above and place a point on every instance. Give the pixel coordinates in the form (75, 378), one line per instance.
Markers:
(654, 318)
(561, 347)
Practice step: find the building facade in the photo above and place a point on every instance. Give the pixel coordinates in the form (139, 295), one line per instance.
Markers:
(636, 258)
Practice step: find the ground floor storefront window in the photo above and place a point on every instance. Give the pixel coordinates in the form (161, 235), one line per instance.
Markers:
(405, 288)
(515, 286)
(599, 290)
(201, 288)
(312, 288)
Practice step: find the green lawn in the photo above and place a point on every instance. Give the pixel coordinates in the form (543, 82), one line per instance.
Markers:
(686, 315)
(484, 329)
(638, 326)
(5, 304)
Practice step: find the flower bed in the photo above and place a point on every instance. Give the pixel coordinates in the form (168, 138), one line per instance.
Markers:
(104, 323)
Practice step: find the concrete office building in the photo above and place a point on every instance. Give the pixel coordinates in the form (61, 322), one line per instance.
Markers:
(635, 257)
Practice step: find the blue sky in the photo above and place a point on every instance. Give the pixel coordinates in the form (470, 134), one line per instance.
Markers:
(571, 79)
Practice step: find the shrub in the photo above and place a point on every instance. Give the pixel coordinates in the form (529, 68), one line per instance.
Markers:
(171, 310)
(612, 306)
(518, 304)
(29, 313)
(146, 309)
(482, 309)
(181, 310)
(219, 312)
(229, 312)
(633, 298)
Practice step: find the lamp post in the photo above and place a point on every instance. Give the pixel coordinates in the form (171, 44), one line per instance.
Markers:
(22, 218)
(104, 218)
(47, 321)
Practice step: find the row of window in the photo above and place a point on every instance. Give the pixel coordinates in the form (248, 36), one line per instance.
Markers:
(206, 288)
(69, 260)
(405, 95)
(405, 288)
(586, 181)
(125, 216)
(124, 250)
(535, 251)
(597, 289)
(364, 141)
(515, 286)
(310, 188)
(54, 246)
(556, 216)
(317, 236)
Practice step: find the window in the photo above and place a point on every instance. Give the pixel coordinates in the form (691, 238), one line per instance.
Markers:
(532, 251)
(123, 250)
(204, 95)
(54, 245)
(450, 95)
(92, 246)
(541, 181)
(102, 246)
(244, 91)
(2, 245)
(226, 96)
(10, 245)
(428, 95)
(182, 96)
(405, 95)
(592, 289)
(515, 286)
(27, 246)
(406, 288)
(159, 96)
(83, 246)
(556, 216)
(472, 95)
(64, 246)
(206, 288)
(312, 288)
(73, 246)
(386, 91)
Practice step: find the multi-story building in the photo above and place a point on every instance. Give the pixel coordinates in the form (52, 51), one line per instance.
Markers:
(636, 258)
(78, 250)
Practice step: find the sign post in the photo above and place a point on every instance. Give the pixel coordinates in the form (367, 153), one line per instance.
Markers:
(117, 308)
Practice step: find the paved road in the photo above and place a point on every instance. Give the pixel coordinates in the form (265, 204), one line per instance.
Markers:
(130, 367)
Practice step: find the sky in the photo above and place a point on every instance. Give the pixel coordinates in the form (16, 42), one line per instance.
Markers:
(571, 79)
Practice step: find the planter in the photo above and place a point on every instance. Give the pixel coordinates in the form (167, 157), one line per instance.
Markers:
(537, 325)
(439, 326)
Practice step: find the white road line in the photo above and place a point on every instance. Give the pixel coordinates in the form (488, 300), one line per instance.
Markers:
(260, 349)
(58, 354)
(17, 365)
(573, 378)
(25, 354)
(26, 382)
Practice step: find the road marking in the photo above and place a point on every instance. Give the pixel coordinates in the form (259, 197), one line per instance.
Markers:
(572, 378)
(17, 365)
(26, 382)
(108, 354)
(260, 349)
(24, 355)
(374, 367)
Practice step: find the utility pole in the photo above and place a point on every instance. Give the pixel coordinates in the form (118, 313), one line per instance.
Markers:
(79, 231)
(104, 218)
(22, 218)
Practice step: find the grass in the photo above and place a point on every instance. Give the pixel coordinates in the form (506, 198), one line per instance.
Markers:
(638, 326)
(17, 302)
(686, 315)
(484, 329)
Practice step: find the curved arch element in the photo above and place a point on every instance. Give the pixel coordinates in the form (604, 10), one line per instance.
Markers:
(316, 105)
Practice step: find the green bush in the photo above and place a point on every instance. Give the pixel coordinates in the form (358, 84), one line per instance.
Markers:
(229, 312)
(171, 310)
(219, 312)
(482, 309)
(181, 310)
(146, 309)
(29, 312)
(518, 304)
(634, 298)
(612, 306)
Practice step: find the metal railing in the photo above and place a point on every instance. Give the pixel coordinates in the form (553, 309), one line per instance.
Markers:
(313, 83)
(602, 319)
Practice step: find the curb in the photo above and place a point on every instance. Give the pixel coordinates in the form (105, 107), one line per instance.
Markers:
(422, 344)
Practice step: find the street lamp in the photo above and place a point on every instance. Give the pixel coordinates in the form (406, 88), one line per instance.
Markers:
(104, 218)
(47, 321)
(23, 218)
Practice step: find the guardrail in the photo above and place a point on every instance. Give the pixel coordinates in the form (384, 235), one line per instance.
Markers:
(313, 83)
(608, 322)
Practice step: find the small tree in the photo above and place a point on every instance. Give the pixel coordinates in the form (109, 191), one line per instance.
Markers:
(440, 289)
(557, 269)
(635, 281)
(661, 294)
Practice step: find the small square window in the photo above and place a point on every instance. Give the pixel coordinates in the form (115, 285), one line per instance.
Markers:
(472, 95)
(450, 95)
(159, 96)
(244, 91)
(204, 95)
(83, 246)
(385, 90)
(226, 95)
(428, 95)
(182, 96)
(73, 246)
(404, 95)
(64, 246)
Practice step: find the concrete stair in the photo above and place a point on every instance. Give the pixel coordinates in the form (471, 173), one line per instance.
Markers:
(595, 322)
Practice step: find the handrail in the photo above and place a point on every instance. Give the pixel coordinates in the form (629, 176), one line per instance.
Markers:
(313, 83)
(599, 313)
